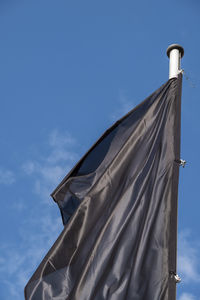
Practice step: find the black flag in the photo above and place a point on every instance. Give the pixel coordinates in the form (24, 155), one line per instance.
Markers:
(119, 207)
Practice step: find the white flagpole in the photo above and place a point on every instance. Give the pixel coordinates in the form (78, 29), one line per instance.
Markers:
(175, 52)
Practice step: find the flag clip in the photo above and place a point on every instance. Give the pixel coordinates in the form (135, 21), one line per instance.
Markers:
(181, 162)
(175, 277)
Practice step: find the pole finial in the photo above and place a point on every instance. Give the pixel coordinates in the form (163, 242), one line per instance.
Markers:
(175, 46)
(175, 52)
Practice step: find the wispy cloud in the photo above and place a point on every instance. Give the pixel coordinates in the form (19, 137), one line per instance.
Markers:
(188, 261)
(186, 296)
(124, 106)
(41, 222)
(53, 166)
(18, 261)
(59, 140)
(7, 177)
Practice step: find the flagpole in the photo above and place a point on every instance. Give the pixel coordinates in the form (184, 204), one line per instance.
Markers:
(175, 52)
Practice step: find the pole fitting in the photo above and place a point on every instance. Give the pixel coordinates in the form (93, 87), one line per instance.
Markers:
(175, 277)
(181, 162)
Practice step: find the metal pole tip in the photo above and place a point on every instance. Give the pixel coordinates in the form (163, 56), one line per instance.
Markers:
(175, 46)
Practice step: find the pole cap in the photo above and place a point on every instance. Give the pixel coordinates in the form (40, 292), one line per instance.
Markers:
(175, 46)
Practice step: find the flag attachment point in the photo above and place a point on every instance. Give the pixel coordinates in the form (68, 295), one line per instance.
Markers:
(181, 162)
(176, 277)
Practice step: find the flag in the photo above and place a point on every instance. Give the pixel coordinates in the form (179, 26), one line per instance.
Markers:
(119, 209)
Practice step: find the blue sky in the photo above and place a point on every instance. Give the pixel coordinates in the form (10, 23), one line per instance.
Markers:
(68, 70)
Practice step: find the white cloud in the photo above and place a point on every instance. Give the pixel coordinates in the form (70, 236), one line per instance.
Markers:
(59, 140)
(124, 107)
(18, 262)
(60, 144)
(29, 167)
(49, 170)
(186, 296)
(41, 222)
(58, 155)
(188, 260)
(6, 177)
(52, 173)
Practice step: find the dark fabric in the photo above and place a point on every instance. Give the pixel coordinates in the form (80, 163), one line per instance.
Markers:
(119, 204)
